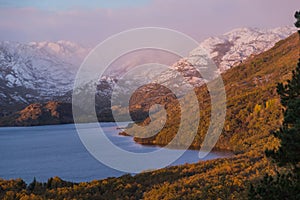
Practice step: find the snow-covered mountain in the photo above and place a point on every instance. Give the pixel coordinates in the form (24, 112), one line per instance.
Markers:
(37, 71)
(67, 51)
(40, 71)
(227, 50)
(237, 45)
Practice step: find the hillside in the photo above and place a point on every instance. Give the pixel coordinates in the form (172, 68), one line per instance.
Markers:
(253, 111)
(252, 103)
(36, 114)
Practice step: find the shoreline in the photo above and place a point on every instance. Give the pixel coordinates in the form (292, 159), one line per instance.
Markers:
(125, 174)
(190, 156)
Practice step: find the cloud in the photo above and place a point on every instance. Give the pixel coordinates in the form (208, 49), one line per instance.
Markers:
(198, 19)
(71, 4)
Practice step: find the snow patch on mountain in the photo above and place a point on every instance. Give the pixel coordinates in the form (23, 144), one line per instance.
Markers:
(39, 70)
(236, 46)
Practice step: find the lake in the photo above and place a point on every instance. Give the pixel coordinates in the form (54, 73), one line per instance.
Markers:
(47, 151)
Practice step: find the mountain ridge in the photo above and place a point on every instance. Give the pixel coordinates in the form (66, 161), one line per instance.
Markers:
(24, 81)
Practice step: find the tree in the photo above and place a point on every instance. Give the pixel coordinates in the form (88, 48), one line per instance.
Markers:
(297, 23)
(32, 185)
(289, 133)
(285, 185)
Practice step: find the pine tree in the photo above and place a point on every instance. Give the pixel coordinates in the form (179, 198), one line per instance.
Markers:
(32, 185)
(297, 23)
(289, 134)
(285, 185)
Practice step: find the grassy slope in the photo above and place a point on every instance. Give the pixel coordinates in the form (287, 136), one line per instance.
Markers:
(253, 111)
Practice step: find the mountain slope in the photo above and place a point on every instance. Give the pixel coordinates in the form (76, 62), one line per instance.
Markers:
(253, 108)
(244, 43)
(234, 47)
(37, 71)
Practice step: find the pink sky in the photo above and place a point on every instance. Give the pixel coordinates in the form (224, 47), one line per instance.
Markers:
(197, 18)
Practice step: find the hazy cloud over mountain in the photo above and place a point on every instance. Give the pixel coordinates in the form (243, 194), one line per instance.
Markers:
(90, 22)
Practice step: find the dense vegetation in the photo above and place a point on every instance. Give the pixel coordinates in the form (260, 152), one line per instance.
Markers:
(221, 178)
(253, 113)
(286, 183)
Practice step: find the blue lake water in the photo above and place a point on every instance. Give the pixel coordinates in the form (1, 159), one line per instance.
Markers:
(47, 151)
